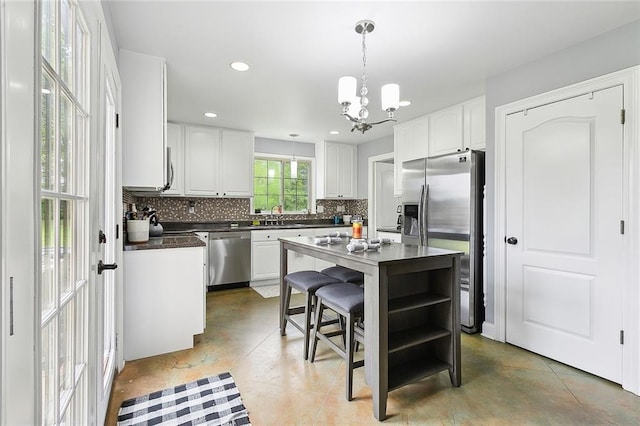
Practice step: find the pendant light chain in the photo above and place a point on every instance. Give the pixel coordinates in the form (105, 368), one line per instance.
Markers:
(364, 100)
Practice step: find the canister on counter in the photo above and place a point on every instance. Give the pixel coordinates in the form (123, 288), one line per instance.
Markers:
(356, 227)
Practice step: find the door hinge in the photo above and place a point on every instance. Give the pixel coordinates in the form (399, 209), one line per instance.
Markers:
(117, 121)
(622, 337)
(622, 116)
(622, 227)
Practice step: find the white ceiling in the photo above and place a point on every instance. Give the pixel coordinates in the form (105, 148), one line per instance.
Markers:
(440, 53)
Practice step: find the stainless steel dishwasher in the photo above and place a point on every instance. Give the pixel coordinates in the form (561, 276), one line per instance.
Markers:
(229, 257)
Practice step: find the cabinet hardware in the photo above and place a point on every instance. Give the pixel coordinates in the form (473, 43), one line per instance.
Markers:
(622, 337)
(10, 306)
(622, 116)
(622, 227)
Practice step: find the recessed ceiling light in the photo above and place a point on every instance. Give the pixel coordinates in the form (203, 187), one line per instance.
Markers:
(239, 66)
(210, 114)
(404, 103)
(334, 132)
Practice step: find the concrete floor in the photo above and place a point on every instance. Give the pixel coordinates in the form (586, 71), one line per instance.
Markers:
(501, 384)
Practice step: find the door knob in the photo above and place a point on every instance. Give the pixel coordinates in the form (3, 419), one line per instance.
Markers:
(102, 266)
(512, 240)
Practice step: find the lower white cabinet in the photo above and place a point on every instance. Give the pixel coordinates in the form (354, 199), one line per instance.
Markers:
(162, 290)
(393, 236)
(265, 252)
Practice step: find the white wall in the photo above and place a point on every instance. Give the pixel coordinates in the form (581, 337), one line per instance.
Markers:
(379, 146)
(612, 51)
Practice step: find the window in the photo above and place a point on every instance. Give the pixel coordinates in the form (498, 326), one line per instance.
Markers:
(274, 186)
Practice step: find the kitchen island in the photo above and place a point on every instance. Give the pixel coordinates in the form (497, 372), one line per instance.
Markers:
(412, 312)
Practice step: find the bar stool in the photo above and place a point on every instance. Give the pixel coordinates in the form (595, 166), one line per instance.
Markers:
(307, 282)
(344, 275)
(347, 300)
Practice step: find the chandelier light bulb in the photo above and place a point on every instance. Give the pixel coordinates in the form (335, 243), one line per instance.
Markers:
(347, 86)
(390, 97)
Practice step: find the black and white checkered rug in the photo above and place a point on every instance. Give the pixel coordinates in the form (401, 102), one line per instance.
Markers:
(211, 401)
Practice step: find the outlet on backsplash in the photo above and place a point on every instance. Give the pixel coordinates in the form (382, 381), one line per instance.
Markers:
(192, 207)
(339, 209)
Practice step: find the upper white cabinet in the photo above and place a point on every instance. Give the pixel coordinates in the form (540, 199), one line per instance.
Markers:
(337, 170)
(218, 163)
(175, 143)
(144, 120)
(475, 135)
(237, 163)
(409, 143)
(445, 131)
(458, 128)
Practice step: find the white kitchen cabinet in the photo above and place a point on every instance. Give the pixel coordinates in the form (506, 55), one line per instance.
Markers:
(337, 170)
(163, 296)
(445, 131)
(218, 163)
(474, 123)
(175, 142)
(201, 157)
(265, 252)
(458, 128)
(393, 236)
(410, 141)
(236, 163)
(143, 121)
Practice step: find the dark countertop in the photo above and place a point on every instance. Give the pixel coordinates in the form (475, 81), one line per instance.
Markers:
(187, 239)
(181, 234)
(389, 229)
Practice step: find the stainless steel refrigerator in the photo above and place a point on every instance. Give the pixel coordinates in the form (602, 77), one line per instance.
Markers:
(442, 207)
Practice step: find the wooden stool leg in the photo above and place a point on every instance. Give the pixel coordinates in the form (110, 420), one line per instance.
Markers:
(349, 354)
(307, 324)
(316, 327)
(287, 302)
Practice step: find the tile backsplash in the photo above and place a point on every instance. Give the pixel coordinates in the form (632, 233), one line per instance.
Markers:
(176, 209)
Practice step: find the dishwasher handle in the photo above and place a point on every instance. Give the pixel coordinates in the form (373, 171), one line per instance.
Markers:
(229, 235)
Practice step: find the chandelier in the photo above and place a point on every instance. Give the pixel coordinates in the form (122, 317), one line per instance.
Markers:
(354, 107)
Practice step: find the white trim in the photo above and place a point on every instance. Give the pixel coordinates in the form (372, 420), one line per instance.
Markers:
(371, 193)
(629, 78)
(489, 330)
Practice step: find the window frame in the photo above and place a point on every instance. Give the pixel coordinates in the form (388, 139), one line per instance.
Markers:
(312, 188)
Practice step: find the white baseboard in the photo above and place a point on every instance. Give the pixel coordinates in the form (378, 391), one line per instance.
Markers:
(489, 330)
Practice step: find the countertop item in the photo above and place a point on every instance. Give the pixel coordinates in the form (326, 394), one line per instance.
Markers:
(187, 239)
(412, 310)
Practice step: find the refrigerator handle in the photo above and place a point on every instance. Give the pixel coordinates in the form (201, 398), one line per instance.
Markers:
(424, 218)
(420, 224)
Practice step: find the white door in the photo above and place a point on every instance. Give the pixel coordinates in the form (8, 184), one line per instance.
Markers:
(386, 216)
(104, 223)
(564, 177)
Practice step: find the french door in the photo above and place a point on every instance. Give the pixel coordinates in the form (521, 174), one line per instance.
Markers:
(64, 207)
(104, 225)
